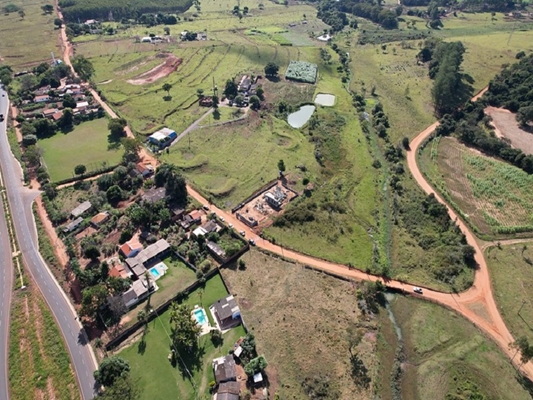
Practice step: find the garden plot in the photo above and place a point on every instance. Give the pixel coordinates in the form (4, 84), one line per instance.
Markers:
(302, 71)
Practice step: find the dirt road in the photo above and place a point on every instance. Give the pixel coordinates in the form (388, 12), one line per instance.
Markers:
(476, 304)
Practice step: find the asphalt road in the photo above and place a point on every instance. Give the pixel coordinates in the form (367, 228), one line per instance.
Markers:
(20, 200)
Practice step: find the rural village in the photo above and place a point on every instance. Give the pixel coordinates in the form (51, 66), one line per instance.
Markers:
(282, 200)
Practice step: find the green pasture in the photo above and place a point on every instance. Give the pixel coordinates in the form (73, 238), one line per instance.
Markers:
(87, 144)
(512, 281)
(148, 356)
(445, 356)
(30, 40)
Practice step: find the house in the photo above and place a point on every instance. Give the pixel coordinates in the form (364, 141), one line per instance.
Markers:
(90, 22)
(43, 98)
(139, 263)
(100, 219)
(228, 391)
(49, 113)
(224, 369)
(245, 84)
(72, 225)
(163, 137)
(200, 231)
(81, 209)
(194, 217)
(82, 105)
(131, 248)
(272, 200)
(211, 226)
(217, 251)
(57, 116)
(177, 213)
(248, 220)
(206, 101)
(145, 170)
(138, 291)
(119, 271)
(154, 195)
(227, 312)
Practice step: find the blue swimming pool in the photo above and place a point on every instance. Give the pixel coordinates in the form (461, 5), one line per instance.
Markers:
(154, 272)
(200, 316)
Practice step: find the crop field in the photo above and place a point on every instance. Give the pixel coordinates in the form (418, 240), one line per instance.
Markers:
(302, 71)
(88, 144)
(39, 364)
(21, 46)
(274, 298)
(148, 354)
(494, 196)
(511, 275)
(447, 357)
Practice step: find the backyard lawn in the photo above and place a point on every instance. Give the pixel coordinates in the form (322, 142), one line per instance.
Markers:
(148, 357)
(87, 144)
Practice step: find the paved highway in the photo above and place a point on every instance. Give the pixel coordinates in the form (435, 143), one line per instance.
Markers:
(20, 200)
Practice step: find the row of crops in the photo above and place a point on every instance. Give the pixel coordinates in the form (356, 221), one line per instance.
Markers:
(302, 71)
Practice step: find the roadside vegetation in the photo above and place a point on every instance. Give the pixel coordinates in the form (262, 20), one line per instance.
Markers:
(39, 365)
(445, 356)
(511, 274)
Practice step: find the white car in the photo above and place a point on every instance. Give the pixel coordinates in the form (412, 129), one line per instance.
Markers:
(221, 219)
(230, 226)
(418, 290)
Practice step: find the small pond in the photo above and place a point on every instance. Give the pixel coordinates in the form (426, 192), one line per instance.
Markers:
(324, 99)
(299, 118)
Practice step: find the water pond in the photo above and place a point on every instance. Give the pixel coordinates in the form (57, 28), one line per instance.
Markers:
(299, 118)
(324, 99)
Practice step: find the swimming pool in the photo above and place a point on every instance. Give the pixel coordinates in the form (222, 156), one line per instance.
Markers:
(155, 272)
(199, 315)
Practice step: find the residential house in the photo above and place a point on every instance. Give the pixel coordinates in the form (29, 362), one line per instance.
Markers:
(131, 248)
(200, 231)
(73, 225)
(81, 209)
(154, 195)
(82, 105)
(194, 217)
(138, 264)
(145, 170)
(248, 220)
(100, 218)
(224, 369)
(217, 251)
(177, 213)
(228, 391)
(138, 291)
(245, 84)
(49, 113)
(57, 116)
(163, 137)
(119, 271)
(43, 98)
(211, 226)
(206, 101)
(227, 312)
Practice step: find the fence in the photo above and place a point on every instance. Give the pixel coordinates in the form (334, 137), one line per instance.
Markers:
(87, 175)
(267, 186)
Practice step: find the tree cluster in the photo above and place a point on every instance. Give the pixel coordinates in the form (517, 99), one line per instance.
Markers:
(83, 67)
(114, 374)
(168, 176)
(335, 12)
(184, 331)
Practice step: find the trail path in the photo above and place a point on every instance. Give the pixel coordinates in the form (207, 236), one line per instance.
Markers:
(476, 304)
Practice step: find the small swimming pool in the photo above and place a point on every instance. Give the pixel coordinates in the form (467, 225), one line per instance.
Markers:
(199, 316)
(155, 272)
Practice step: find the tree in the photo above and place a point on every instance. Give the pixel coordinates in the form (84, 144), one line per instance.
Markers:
(260, 93)
(200, 93)
(231, 89)
(27, 128)
(526, 350)
(114, 195)
(83, 67)
(255, 365)
(28, 140)
(215, 101)
(142, 316)
(111, 369)
(116, 126)
(281, 166)
(216, 338)
(91, 299)
(67, 119)
(255, 103)
(167, 30)
(239, 101)
(167, 87)
(525, 116)
(271, 69)
(92, 252)
(22, 14)
(131, 149)
(184, 330)
(47, 8)
(405, 143)
(58, 23)
(80, 169)
(168, 175)
(123, 388)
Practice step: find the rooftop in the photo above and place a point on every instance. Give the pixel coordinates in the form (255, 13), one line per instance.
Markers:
(136, 263)
(100, 217)
(226, 308)
(215, 248)
(86, 205)
(154, 195)
(224, 368)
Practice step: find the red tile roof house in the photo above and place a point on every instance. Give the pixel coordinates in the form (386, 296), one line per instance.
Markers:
(100, 218)
(49, 113)
(131, 248)
(119, 271)
(57, 116)
(145, 169)
(41, 99)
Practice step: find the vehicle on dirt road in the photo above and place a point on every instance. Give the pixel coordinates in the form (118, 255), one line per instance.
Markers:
(418, 290)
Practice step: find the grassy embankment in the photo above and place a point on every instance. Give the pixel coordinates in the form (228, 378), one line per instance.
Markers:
(148, 356)
(88, 144)
(511, 274)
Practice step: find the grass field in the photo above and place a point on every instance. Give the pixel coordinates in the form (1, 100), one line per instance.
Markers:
(511, 274)
(447, 357)
(39, 365)
(274, 298)
(495, 196)
(151, 368)
(29, 41)
(87, 144)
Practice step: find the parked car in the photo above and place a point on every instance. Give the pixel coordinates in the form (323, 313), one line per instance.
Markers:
(242, 233)
(221, 219)
(418, 290)
(252, 242)
(1, 117)
(230, 226)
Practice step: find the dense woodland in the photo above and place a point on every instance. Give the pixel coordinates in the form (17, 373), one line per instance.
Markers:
(76, 10)
(511, 89)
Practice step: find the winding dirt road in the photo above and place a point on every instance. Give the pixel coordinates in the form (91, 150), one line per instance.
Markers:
(476, 304)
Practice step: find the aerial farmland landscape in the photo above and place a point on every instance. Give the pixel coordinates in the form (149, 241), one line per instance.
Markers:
(238, 200)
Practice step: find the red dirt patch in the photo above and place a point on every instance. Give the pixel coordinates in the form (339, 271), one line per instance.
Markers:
(164, 69)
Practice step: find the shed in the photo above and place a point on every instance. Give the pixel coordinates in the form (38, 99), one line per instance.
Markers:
(72, 225)
(81, 209)
(163, 137)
